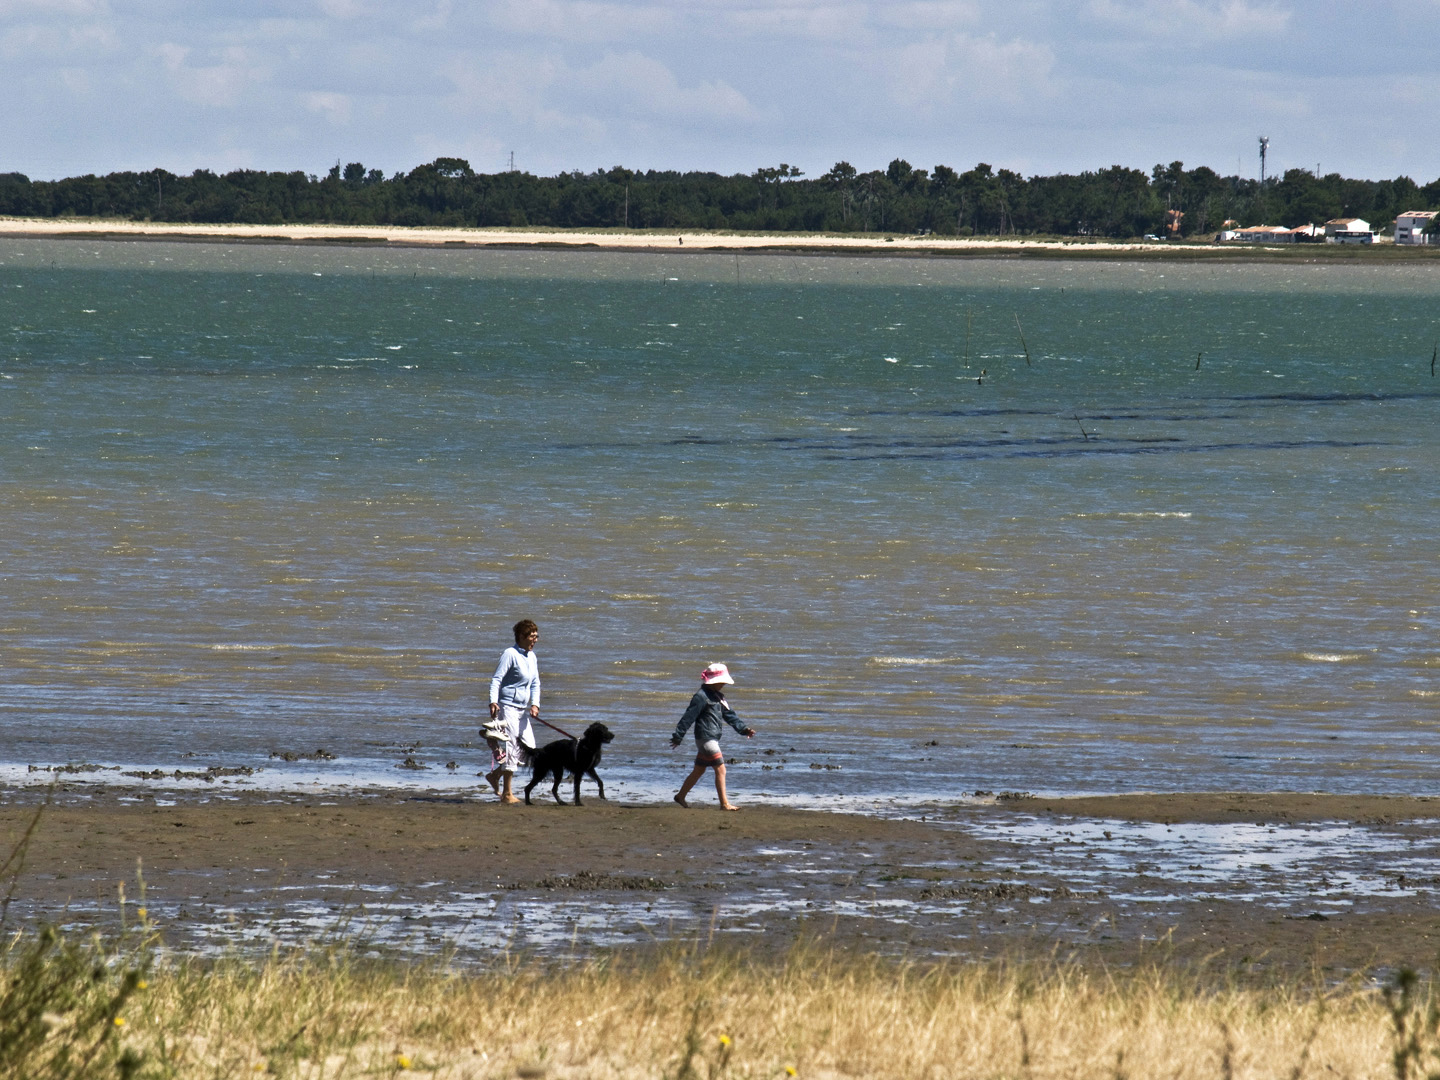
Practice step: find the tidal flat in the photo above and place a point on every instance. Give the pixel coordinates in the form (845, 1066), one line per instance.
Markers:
(1273, 884)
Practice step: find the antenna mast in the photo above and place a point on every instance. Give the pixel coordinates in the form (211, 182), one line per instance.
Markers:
(1264, 147)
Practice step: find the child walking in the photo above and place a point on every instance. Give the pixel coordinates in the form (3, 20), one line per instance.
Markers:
(707, 709)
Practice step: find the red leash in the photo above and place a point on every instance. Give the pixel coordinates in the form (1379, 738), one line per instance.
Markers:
(552, 727)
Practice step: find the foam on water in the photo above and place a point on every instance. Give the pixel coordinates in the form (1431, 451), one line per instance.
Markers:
(914, 661)
(625, 786)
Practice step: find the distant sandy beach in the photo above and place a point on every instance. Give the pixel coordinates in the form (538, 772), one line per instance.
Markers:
(616, 239)
(652, 240)
(1324, 880)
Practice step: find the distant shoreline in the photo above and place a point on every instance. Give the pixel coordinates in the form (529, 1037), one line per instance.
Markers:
(685, 241)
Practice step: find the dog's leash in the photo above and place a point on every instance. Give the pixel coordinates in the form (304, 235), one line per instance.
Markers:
(552, 727)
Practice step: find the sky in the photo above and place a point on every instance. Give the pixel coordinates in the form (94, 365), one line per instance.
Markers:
(1037, 86)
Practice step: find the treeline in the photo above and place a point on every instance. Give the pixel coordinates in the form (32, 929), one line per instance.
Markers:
(1114, 202)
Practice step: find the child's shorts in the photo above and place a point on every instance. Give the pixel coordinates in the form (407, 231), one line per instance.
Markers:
(709, 753)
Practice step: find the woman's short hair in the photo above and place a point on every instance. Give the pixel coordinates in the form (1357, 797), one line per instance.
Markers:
(524, 628)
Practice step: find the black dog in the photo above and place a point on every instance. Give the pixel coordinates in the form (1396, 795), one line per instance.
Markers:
(569, 755)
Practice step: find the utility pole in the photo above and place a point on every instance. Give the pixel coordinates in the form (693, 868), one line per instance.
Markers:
(1264, 147)
(627, 206)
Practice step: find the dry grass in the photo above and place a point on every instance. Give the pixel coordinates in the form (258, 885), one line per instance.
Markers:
(690, 1014)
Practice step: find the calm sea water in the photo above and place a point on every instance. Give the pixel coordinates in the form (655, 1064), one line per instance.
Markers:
(265, 498)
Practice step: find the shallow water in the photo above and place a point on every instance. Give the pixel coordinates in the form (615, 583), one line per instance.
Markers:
(272, 498)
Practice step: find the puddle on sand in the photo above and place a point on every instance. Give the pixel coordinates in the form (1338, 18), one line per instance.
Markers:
(1330, 864)
(471, 926)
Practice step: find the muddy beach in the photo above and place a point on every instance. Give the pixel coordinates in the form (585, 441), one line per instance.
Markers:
(1260, 883)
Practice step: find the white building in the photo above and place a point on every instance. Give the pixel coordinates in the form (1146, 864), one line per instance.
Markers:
(1278, 234)
(1410, 226)
(1262, 234)
(1349, 230)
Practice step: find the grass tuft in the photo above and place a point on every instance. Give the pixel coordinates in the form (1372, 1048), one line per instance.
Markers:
(62, 1005)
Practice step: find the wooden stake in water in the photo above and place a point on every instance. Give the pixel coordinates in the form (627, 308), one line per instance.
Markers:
(969, 319)
(737, 268)
(1197, 359)
(1022, 339)
(1433, 355)
(1080, 426)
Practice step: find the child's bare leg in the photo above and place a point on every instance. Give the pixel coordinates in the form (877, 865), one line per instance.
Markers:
(690, 782)
(720, 789)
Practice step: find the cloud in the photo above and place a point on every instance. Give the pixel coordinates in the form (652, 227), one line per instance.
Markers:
(335, 108)
(634, 82)
(505, 84)
(588, 21)
(1232, 20)
(846, 24)
(350, 9)
(1416, 90)
(81, 8)
(852, 27)
(1042, 85)
(939, 72)
(927, 14)
(217, 85)
(66, 43)
(437, 19)
(619, 88)
(69, 32)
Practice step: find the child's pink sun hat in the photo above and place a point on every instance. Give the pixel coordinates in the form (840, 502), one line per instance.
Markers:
(716, 674)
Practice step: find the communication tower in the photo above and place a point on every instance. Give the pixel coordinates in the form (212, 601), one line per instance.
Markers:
(1264, 146)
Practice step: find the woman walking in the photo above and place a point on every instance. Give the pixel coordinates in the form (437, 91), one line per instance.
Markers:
(514, 702)
(707, 709)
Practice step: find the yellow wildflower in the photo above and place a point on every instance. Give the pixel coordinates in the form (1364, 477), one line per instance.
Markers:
(119, 1021)
(790, 1071)
(402, 1061)
(724, 1040)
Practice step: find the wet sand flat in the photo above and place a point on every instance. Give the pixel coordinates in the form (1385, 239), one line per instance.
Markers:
(1268, 881)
